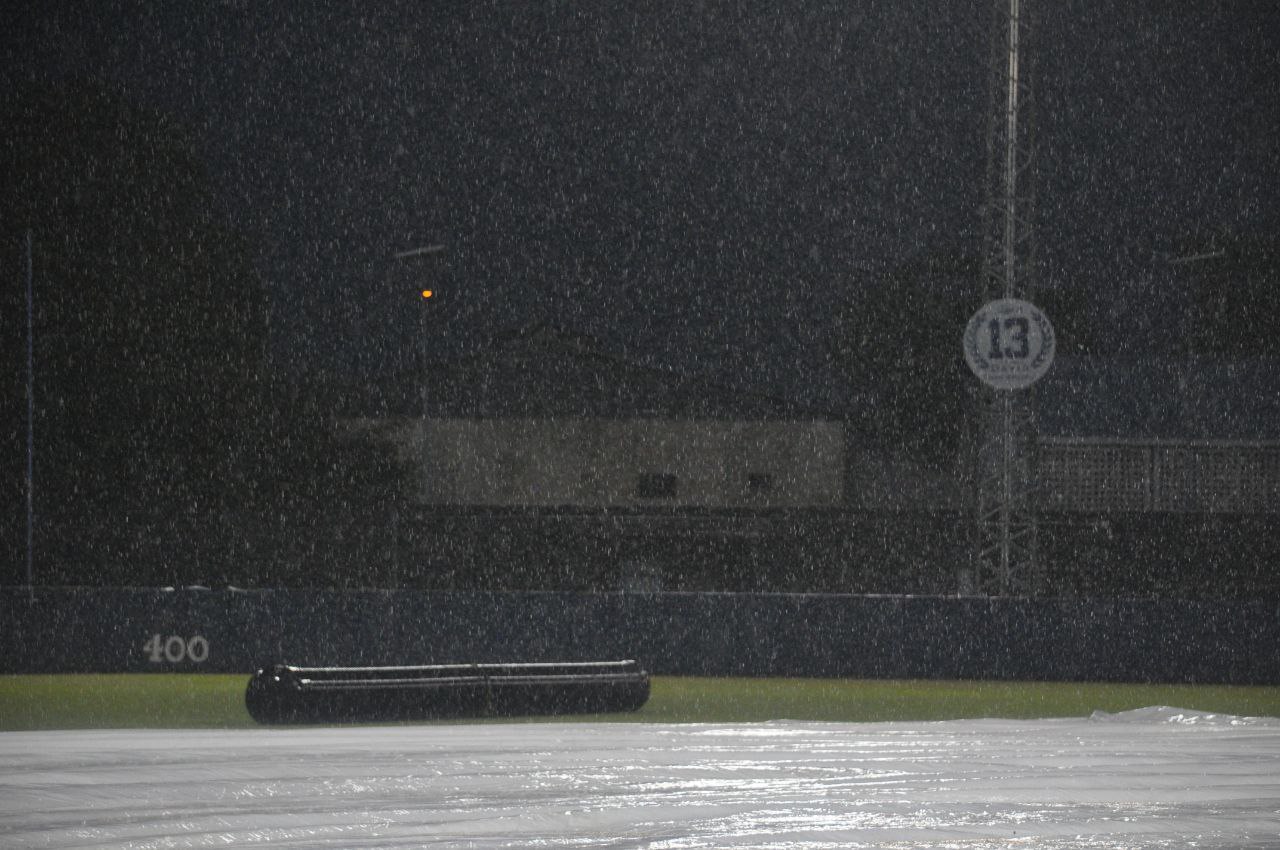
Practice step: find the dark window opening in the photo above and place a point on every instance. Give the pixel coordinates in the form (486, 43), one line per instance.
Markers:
(759, 483)
(656, 485)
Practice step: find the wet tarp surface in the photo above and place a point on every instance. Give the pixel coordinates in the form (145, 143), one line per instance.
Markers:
(1156, 777)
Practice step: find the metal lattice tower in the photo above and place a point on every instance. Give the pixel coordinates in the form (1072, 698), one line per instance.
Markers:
(1006, 558)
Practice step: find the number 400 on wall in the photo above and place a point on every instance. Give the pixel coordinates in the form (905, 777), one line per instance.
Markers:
(176, 649)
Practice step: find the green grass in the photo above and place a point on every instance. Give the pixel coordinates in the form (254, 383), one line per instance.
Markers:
(106, 701)
(215, 701)
(727, 700)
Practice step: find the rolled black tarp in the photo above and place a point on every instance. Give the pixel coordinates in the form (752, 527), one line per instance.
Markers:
(285, 694)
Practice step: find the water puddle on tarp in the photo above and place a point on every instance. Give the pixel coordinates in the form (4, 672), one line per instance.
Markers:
(1156, 777)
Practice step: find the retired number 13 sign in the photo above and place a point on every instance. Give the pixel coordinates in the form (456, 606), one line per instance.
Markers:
(1009, 344)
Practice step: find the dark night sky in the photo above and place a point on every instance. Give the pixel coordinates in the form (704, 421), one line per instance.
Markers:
(700, 184)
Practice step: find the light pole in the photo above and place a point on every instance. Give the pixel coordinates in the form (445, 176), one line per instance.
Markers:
(31, 418)
(425, 294)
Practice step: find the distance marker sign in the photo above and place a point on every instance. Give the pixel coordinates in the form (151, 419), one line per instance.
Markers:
(1009, 344)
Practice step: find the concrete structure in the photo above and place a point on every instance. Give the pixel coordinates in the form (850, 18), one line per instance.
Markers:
(632, 463)
(1187, 436)
(546, 463)
(549, 421)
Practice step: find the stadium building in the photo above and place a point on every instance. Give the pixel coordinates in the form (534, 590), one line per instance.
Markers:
(548, 462)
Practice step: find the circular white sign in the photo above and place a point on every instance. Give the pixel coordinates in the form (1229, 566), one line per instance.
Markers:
(1009, 344)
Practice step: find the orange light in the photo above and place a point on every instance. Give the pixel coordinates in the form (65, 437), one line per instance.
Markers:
(427, 293)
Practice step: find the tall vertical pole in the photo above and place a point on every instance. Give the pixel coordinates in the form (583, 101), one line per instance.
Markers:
(1006, 558)
(423, 398)
(1011, 151)
(31, 416)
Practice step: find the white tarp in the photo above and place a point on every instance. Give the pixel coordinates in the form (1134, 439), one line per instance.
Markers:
(1156, 777)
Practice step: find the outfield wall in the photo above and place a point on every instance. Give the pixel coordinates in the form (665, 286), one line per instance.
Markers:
(48, 630)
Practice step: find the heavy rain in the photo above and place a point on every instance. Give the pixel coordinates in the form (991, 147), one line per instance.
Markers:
(804, 342)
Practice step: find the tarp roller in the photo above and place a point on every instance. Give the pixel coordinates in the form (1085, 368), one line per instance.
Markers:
(286, 694)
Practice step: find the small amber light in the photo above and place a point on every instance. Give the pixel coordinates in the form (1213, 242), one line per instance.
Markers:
(427, 293)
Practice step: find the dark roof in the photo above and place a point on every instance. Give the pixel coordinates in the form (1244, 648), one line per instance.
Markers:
(1187, 399)
(546, 371)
